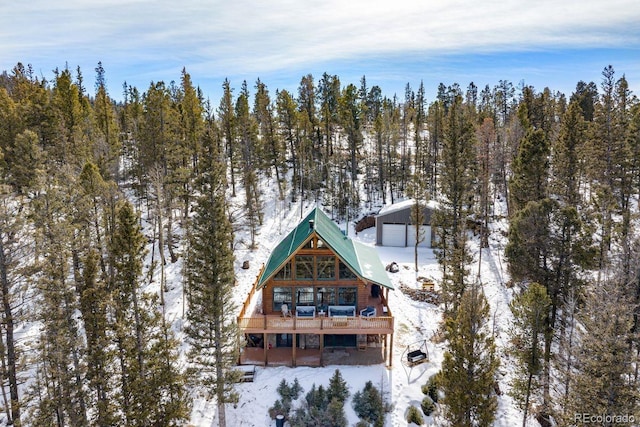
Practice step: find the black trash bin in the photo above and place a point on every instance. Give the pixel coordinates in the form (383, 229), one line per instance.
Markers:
(279, 420)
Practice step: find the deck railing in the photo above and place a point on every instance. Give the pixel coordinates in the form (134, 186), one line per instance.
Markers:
(276, 323)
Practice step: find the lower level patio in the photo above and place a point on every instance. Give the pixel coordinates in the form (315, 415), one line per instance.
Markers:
(283, 356)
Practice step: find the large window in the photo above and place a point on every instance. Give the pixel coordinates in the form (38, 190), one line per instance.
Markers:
(281, 295)
(326, 267)
(304, 267)
(347, 296)
(325, 297)
(304, 296)
(345, 272)
(284, 273)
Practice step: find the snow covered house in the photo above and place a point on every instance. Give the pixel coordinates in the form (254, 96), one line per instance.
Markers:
(318, 292)
(394, 226)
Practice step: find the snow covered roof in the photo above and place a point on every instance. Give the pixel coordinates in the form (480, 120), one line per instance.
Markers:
(405, 204)
(360, 258)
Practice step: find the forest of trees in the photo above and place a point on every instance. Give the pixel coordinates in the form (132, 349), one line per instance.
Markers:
(78, 169)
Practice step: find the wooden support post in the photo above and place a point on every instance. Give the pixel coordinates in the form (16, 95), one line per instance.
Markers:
(321, 348)
(293, 361)
(385, 349)
(265, 346)
(391, 352)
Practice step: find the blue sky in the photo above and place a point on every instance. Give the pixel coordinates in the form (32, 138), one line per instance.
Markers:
(552, 43)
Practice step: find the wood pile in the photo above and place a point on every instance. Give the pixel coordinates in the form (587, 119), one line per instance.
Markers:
(422, 295)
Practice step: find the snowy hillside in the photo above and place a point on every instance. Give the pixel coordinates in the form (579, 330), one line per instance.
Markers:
(415, 322)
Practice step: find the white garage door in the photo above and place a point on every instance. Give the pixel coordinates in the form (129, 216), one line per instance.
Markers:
(425, 235)
(393, 235)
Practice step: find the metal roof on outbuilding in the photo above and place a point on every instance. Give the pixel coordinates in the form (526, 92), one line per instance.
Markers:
(363, 260)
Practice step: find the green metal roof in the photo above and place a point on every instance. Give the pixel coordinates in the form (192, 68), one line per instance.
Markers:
(363, 260)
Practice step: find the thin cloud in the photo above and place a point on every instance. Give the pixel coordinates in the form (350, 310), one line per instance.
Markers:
(251, 36)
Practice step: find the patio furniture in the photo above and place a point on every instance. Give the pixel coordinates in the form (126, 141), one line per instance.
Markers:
(285, 310)
(370, 311)
(304, 311)
(342, 310)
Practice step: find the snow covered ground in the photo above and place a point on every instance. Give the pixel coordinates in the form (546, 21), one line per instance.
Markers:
(414, 322)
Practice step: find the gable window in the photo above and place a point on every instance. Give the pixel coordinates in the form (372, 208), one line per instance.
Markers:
(345, 272)
(304, 267)
(326, 267)
(281, 295)
(284, 273)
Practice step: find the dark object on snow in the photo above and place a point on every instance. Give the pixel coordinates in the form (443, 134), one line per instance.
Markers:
(279, 420)
(366, 222)
(245, 265)
(415, 354)
(393, 267)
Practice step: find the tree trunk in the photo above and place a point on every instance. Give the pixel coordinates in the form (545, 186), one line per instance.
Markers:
(9, 325)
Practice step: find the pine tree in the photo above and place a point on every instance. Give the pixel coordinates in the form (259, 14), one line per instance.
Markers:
(248, 140)
(151, 384)
(59, 368)
(568, 160)
(338, 388)
(273, 147)
(107, 146)
(530, 311)
(470, 363)
(13, 253)
(227, 118)
(209, 276)
(25, 161)
(604, 382)
(456, 186)
(288, 123)
(530, 170)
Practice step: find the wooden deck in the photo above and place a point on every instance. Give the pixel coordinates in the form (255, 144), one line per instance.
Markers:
(381, 323)
(272, 324)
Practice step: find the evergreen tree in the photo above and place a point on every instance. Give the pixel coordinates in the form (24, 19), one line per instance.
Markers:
(65, 124)
(470, 363)
(605, 380)
(151, 384)
(94, 302)
(288, 123)
(59, 369)
(530, 311)
(13, 253)
(456, 186)
(338, 388)
(568, 157)
(226, 115)
(369, 405)
(248, 140)
(274, 147)
(107, 147)
(550, 245)
(530, 170)
(25, 161)
(209, 276)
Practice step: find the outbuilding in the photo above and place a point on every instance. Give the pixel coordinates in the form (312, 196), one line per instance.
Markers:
(394, 226)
